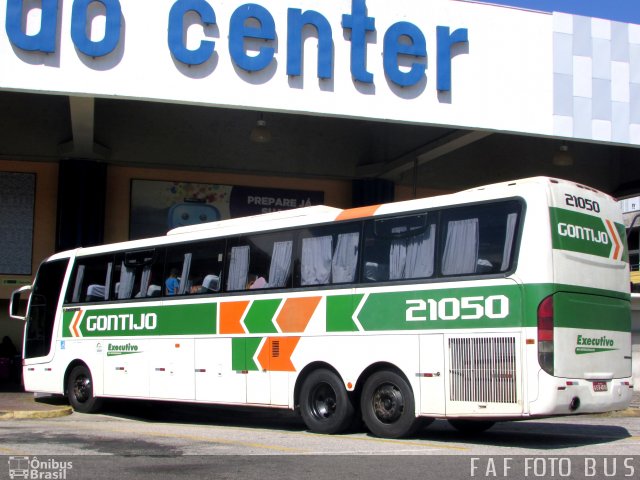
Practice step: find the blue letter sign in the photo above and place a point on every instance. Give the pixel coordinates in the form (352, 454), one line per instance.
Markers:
(295, 22)
(176, 30)
(359, 24)
(445, 42)
(392, 48)
(239, 30)
(45, 39)
(112, 29)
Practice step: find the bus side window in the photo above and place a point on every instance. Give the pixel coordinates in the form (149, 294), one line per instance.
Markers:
(136, 274)
(205, 270)
(399, 248)
(90, 279)
(479, 239)
(260, 261)
(194, 268)
(329, 255)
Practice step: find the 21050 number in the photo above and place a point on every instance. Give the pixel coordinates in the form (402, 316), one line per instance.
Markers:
(582, 203)
(465, 308)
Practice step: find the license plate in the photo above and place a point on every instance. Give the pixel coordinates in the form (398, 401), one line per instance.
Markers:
(599, 386)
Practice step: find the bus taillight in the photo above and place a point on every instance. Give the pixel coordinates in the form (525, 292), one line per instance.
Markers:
(545, 334)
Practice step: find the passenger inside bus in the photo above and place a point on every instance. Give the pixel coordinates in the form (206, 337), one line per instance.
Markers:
(172, 284)
(255, 281)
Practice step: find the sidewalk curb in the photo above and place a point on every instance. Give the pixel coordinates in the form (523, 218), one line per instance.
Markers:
(31, 414)
(629, 412)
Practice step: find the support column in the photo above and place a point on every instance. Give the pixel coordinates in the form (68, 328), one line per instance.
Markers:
(81, 203)
(372, 191)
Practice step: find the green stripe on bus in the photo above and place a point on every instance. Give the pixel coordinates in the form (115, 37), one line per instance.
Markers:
(499, 306)
(622, 232)
(340, 310)
(576, 310)
(242, 352)
(579, 232)
(259, 318)
(482, 307)
(187, 319)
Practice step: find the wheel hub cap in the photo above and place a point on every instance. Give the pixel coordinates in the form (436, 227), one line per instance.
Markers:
(388, 403)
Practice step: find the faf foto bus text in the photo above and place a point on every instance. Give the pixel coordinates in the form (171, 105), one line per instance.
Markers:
(553, 467)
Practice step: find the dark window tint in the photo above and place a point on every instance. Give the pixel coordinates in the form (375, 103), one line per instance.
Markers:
(260, 261)
(329, 255)
(90, 280)
(479, 239)
(194, 268)
(399, 248)
(137, 274)
(42, 308)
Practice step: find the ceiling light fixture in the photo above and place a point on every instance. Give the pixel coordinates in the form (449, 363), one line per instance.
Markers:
(562, 157)
(260, 133)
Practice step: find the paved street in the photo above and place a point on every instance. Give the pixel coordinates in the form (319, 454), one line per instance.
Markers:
(139, 433)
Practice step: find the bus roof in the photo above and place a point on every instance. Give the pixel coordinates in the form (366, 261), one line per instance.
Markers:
(317, 211)
(318, 214)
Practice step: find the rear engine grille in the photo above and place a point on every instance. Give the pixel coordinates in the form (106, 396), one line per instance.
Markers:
(483, 370)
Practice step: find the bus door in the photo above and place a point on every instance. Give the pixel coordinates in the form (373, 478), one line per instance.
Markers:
(40, 374)
(220, 369)
(233, 370)
(126, 367)
(171, 368)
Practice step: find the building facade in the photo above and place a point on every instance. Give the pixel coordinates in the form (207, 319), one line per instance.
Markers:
(123, 118)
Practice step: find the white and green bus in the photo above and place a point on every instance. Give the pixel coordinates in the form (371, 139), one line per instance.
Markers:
(505, 302)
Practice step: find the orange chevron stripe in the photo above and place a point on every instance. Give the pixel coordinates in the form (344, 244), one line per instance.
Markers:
(614, 237)
(75, 323)
(276, 352)
(296, 314)
(359, 212)
(230, 316)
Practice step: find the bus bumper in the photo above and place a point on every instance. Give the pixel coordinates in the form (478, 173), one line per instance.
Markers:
(566, 396)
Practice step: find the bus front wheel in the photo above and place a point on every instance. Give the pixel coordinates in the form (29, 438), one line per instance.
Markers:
(388, 406)
(80, 391)
(324, 403)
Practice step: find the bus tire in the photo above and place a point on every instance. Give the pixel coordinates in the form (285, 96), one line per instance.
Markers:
(471, 427)
(388, 406)
(80, 391)
(324, 403)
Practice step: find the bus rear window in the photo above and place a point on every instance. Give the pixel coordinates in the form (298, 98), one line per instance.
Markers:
(480, 239)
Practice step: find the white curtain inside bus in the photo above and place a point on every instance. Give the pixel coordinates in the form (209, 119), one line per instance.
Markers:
(280, 264)
(316, 260)
(508, 241)
(461, 247)
(238, 268)
(412, 257)
(127, 279)
(345, 258)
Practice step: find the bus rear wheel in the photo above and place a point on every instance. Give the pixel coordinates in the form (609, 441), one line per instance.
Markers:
(80, 391)
(324, 403)
(388, 406)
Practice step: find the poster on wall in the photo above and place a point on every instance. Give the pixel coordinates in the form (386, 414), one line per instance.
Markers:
(159, 206)
(17, 200)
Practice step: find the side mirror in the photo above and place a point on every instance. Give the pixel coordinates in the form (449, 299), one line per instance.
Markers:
(14, 305)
